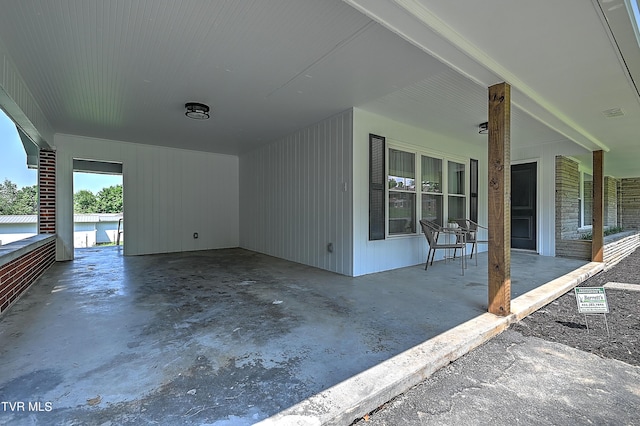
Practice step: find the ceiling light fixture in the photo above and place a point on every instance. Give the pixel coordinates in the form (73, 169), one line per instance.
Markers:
(196, 110)
(483, 128)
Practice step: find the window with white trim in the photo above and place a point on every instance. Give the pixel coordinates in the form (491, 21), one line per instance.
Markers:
(402, 192)
(457, 190)
(423, 185)
(432, 205)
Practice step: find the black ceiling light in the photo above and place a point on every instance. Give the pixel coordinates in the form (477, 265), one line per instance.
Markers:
(483, 128)
(196, 110)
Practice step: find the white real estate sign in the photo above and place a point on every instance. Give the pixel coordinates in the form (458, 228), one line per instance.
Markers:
(591, 300)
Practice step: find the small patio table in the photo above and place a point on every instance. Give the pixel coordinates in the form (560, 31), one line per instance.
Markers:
(460, 236)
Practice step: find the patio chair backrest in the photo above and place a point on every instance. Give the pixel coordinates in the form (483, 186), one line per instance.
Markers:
(430, 230)
(467, 224)
(470, 226)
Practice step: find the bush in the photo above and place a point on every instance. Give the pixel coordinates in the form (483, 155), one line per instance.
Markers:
(610, 231)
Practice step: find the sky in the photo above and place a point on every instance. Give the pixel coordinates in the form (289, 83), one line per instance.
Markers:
(13, 164)
(636, 14)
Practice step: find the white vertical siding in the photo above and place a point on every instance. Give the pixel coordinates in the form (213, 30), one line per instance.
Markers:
(168, 195)
(293, 202)
(398, 252)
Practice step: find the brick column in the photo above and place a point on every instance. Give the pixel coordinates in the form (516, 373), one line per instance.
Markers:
(47, 192)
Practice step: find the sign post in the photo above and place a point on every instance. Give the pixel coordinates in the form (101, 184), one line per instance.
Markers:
(592, 300)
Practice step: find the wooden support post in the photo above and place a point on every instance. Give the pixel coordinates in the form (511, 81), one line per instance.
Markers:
(500, 199)
(597, 228)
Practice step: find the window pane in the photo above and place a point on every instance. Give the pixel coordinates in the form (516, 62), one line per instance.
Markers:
(580, 220)
(431, 174)
(456, 178)
(432, 208)
(402, 174)
(402, 213)
(457, 207)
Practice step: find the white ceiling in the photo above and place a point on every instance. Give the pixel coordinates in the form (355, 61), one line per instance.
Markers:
(567, 62)
(123, 70)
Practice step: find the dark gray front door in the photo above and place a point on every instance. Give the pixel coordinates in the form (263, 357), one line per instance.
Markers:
(523, 206)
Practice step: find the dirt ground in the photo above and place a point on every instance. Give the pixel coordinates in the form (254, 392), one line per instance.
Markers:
(560, 321)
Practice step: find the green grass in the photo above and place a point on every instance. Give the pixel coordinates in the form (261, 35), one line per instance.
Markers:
(108, 244)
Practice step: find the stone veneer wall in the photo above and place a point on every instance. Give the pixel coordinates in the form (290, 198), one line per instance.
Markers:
(629, 203)
(610, 201)
(568, 243)
(567, 207)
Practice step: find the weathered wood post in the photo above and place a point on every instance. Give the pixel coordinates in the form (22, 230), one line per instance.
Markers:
(500, 199)
(597, 228)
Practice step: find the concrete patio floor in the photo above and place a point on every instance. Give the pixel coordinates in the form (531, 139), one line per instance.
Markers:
(221, 337)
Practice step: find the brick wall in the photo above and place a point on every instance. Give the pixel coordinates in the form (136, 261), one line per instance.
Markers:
(629, 203)
(17, 275)
(47, 188)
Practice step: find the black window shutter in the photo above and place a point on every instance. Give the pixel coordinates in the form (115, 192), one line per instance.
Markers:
(473, 189)
(376, 187)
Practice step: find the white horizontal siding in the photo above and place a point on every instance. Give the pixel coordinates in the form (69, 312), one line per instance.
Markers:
(293, 198)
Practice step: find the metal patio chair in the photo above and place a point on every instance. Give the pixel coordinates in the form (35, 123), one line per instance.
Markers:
(471, 235)
(432, 231)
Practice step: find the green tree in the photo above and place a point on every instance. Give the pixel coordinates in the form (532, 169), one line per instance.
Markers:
(18, 201)
(110, 199)
(26, 200)
(85, 201)
(8, 193)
